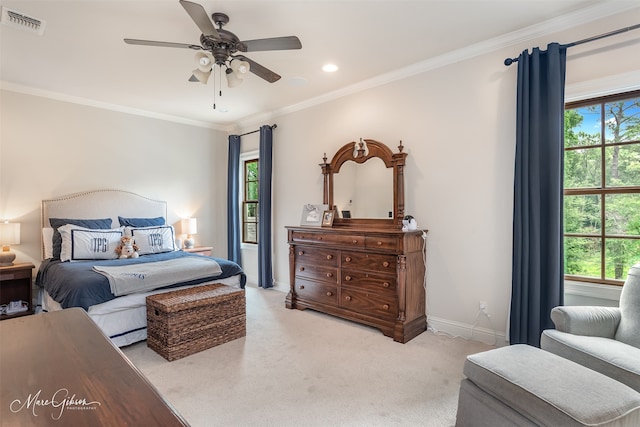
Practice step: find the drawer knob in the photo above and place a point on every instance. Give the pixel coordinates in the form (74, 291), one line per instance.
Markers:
(329, 256)
(329, 294)
(301, 286)
(347, 278)
(385, 285)
(301, 253)
(329, 274)
(319, 237)
(385, 264)
(355, 242)
(379, 243)
(301, 269)
(348, 298)
(386, 306)
(348, 259)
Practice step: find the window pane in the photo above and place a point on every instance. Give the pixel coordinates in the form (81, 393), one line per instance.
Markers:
(252, 191)
(251, 170)
(622, 119)
(582, 168)
(250, 211)
(623, 165)
(622, 214)
(582, 256)
(621, 254)
(582, 126)
(250, 233)
(582, 214)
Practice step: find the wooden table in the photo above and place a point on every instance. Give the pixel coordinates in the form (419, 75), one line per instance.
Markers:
(59, 369)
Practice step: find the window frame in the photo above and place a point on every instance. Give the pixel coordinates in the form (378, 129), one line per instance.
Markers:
(603, 190)
(245, 159)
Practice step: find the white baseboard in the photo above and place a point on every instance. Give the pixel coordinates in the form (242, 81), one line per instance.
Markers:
(468, 332)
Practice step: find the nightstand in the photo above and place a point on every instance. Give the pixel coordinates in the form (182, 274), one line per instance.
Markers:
(200, 250)
(15, 285)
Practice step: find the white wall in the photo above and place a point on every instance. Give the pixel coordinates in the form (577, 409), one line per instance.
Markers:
(458, 126)
(50, 148)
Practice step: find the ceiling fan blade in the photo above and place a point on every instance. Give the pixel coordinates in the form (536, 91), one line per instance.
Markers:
(162, 44)
(259, 70)
(200, 17)
(275, 43)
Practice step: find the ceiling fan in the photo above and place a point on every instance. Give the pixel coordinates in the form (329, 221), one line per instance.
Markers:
(220, 47)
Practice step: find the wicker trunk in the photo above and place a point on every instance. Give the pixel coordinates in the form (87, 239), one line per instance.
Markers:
(187, 321)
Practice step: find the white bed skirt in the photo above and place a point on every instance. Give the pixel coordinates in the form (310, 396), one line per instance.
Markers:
(124, 319)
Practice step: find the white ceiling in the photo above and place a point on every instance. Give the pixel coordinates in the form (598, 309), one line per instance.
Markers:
(82, 56)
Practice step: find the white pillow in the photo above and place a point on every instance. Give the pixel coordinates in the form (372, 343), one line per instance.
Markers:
(47, 242)
(153, 240)
(82, 244)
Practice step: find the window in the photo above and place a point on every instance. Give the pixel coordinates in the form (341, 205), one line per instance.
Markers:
(602, 188)
(250, 202)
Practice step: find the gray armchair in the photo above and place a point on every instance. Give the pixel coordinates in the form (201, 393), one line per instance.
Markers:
(605, 339)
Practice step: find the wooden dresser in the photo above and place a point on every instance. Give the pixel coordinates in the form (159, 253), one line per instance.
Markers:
(371, 276)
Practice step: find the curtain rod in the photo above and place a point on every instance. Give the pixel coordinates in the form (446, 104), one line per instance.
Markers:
(257, 130)
(510, 61)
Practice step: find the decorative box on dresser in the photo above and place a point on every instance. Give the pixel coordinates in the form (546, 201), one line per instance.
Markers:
(374, 277)
(362, 269)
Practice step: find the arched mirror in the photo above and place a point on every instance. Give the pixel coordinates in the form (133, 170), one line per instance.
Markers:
(364, 184)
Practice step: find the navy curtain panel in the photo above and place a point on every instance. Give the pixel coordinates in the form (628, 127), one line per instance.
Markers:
(538, 256)
(233, 201)
(265, 266)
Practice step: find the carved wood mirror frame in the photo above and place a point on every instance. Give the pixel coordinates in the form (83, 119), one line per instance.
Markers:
(357, 152)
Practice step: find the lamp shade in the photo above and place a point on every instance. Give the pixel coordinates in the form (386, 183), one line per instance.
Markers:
(239, 67)
(9, 233)
(189, 226)
(201, 76)
(232, 79)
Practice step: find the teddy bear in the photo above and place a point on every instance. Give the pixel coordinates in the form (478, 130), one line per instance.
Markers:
(127, 248)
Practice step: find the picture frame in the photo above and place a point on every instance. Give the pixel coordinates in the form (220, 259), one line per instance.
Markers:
(327, 218)
(312, 215)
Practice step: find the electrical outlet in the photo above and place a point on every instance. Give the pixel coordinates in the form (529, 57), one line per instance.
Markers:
(482, 305)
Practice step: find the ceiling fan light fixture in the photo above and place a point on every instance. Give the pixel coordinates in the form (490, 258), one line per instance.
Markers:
(233, 79)
(204, 61)
(201, 76)
(239, 67)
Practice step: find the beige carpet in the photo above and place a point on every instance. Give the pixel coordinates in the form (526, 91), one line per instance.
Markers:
(303, 368)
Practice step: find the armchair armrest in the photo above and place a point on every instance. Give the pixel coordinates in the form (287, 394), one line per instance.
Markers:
(587, 320)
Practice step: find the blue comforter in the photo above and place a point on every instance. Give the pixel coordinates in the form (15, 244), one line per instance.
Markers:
(75, 284)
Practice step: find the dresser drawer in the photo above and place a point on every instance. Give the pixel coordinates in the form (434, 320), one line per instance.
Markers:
(317, 237)
(373, 262)
(316, 292)
(316, 255)
(369, 304)
(382, 242)
(370, 282)
(317, 272)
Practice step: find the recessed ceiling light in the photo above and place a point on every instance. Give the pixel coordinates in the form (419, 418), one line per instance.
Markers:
(329, 68)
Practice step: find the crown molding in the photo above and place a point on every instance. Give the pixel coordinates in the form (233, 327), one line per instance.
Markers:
(26, 90)
(560, 23)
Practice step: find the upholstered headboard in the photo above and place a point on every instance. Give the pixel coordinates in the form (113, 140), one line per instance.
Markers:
(102, 204)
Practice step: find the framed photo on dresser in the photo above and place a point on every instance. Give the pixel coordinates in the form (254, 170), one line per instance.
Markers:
(327, 218)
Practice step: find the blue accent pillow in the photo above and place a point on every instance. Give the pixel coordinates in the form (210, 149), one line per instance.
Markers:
(141, 222)
(94, 224)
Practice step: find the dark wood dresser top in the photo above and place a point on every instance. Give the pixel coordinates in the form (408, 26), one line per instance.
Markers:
(58, 368)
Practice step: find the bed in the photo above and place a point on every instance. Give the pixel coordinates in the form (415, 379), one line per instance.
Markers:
(71, 275)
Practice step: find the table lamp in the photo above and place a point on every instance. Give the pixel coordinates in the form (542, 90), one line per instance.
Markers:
(189, 227)
(9, 235)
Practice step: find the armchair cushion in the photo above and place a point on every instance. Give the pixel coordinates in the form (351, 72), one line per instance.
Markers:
(612, 358)
(629, 328)
(587, 320)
